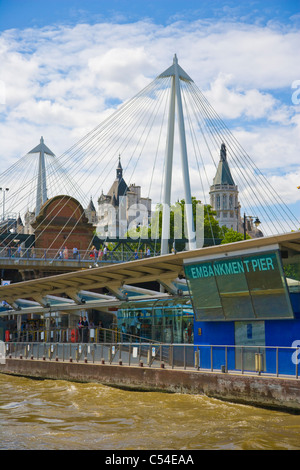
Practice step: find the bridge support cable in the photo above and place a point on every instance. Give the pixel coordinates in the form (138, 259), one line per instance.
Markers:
(260, 187)
(93, 139)
(136, 132)
(211, 130)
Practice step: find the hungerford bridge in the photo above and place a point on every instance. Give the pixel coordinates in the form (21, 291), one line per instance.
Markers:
(141, 129)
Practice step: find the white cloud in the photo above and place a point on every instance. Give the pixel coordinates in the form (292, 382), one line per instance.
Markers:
(60, 82)
(233, 103)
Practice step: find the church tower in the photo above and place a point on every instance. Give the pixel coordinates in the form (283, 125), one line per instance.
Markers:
(224, 195)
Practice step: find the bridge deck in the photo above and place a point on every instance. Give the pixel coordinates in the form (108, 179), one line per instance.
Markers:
(162, 269)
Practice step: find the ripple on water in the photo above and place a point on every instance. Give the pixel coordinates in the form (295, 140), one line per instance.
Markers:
(64, 415)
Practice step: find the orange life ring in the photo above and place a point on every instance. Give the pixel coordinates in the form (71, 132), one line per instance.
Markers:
(74, 336)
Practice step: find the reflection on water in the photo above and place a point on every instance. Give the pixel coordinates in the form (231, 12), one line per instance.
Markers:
(57, 415)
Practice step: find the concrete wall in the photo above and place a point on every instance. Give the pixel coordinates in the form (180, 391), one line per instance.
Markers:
(283, 394)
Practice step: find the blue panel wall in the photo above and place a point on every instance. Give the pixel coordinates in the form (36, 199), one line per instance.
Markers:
(214, 333)
(281, 333)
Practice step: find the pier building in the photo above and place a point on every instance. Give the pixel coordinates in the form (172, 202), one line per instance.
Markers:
(243, 296)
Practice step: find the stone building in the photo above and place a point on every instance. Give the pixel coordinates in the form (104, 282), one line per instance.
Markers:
(91, 213)
(122, 208)
(224, 199)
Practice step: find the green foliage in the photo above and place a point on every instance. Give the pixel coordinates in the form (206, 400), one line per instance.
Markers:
(231, 236)
(292, 271)
(177, 221)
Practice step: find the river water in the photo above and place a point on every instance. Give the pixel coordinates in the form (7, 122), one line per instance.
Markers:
(61, 415)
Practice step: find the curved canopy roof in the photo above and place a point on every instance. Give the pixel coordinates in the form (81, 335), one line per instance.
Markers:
(163, 269)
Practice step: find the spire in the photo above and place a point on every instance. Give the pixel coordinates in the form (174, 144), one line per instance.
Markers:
(223, 152)
(91, 206)
(119, 169)
(223, 175)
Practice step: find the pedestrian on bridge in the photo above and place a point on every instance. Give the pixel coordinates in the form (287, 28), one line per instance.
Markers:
(66, 253)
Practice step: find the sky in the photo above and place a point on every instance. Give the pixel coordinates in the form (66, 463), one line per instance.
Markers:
(64, 65)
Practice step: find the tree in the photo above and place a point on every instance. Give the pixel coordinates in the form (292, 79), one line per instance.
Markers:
(232, 236)
(178, 229)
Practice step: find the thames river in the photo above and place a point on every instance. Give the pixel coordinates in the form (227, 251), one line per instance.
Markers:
(61, 415)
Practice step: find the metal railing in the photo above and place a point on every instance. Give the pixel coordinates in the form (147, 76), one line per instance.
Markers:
(97, 334)
(123, 353)
(274, 361)
(70, 335)
(82, 256)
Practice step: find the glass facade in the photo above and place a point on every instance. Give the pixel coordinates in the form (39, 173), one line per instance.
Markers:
(168, 321)
(239, 288)
(291, 268)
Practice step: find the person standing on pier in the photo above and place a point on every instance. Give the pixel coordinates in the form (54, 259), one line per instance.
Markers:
(85, 325)
(80, 328)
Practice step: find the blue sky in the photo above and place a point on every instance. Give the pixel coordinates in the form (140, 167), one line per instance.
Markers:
(65, 64)
(36, 13)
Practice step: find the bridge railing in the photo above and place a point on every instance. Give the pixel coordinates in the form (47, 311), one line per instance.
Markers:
(86, 256)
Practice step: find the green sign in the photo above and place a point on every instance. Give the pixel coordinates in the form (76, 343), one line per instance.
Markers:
(225, 268)
(239, 288)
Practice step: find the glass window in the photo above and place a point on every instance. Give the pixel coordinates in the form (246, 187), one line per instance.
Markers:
(267, 286)
(243, 287)
(233, 289)
(204, 291)
(291, 268)
(169, 321)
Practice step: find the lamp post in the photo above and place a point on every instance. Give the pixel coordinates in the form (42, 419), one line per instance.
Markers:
(4, 190)
(256, 222)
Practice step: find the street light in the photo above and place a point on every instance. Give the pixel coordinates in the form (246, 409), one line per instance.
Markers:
(2, 189)
(256, 222)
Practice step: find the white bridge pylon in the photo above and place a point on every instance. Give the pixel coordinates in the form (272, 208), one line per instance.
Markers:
(41, 190)
(177, 74)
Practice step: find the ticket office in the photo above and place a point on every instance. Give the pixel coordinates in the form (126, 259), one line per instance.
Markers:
(244, 300)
